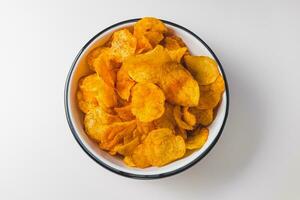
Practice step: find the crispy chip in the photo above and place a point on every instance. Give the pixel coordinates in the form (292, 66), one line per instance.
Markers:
(127, 149)
(188, 117)
(171, 43)
(179, 87)
(125, 113)
(93, 55)
(178, 118)
(86, 102)
(94, 121)
(204, 69)
(149, 32)
(161, 147)
(128, 161)
(167, 120)
(147, 67)
(177, 54)
(123, 45)
(124, 83)
(203, 116)
(147, 102)
(197, 139)
(139, 157)
(211, 94)
(181, 132)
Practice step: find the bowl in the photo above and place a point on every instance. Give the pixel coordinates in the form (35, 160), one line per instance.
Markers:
(75, 117)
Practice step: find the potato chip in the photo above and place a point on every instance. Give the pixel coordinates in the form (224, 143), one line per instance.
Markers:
(211, 94)
(148, 29)
(179, 87)
(203, 116)
(147, 67)
(114, 134)
(178, 118)
(161, 147)
(124, 83)
(204, 69)
(181, 132)
(147, 102)
(177, 54)
(123, 45)
(188, 117)
(86, 102)
(94, 121)
(92, 56)
(167, 120)
(127, 149)
(197, 139)
(128, 161)
(171, 43)
(125, 113)
(144, 127)
(139, 157)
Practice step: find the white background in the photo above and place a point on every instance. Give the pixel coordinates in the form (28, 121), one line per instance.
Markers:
(258, 155)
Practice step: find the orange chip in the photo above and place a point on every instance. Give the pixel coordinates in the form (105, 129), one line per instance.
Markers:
(197, 139)
(167, 120)
(93, 55)
(85, 101)
(125, 113)
(127, 149)
(171, 43)
(204, 69)
(188, 117)
(178, 118)
(177, 54)
(124, 83)
(203, 116)
(123, 45)
(179, 87)
(147, 102)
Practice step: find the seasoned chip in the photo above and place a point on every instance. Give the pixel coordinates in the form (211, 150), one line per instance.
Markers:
(124, 83)
(125, 113)
(178, 118)
(161, 147)
(197, 139)
(211, 94)
(188, 117)
(147, 67)
(167, 120)
(171, 43)
(181, 132)
(144, 127)
(95, 120)
(203, 116)
(147, 102)
(177, 54)
(123, 45)
(127, 149)
(204, 69)
(128, 161)
(148, 30)
(86, 102)
(180, 87)
(139, 157)
(93, 55)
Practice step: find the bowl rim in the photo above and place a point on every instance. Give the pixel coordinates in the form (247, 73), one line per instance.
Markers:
(132, 175)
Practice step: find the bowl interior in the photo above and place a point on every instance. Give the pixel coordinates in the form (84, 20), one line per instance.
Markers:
(76, 117)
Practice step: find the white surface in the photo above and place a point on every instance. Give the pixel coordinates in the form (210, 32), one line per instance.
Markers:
(258, 155)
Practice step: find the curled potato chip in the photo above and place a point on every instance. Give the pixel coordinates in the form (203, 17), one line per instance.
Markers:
(188, 117)
(177, 54)
(162, 147)
(211, 94)
(86, 102)
(93, 55)
(128, 161)
(178, 118)
(139, 157)
(149, 32)
(203, 116)
(147, 67)
(167, 120)
(123, 45)
(171, 43)
(204, 69)
(181, 132)
(94, 121)
(125, 113)
(114, 134)
(147, 102)
(124, 83)
(127, 149)
(145, 127)
(179, 86)
(197, 139)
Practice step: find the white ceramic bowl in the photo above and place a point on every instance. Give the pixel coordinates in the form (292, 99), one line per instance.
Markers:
(75, 117)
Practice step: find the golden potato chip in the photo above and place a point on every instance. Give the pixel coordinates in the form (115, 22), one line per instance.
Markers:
(197, 139)
(181, 132)
(188, 117)
(144, 127)
(86, 102)
(147, 67)
(211, 94)
(179, 87)
(125, 113)
(147, 102)
(148, 29)
(177, 54)
(203, 116)
(94, 121)
(127, 149)
(124, 83)
(204, 69)
(114, 134)
(161, 146)
(167, 120)
(128, 161)
(178, 118)
(139, 157)
(171, 43)
(93, 55)
(123, 45)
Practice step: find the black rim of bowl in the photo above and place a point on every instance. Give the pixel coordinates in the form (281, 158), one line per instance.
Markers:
(131, 175)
